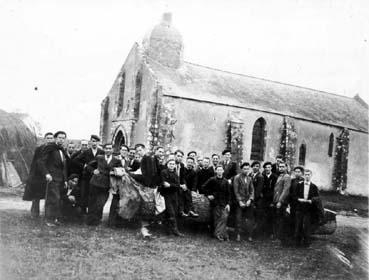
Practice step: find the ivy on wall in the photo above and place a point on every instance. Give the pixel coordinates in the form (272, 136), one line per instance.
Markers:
(234, 139)
(153, 138)
(167, 123)
(339, 179)
(288, 143)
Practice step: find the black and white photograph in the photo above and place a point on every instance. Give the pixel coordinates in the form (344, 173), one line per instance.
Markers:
(169, 139)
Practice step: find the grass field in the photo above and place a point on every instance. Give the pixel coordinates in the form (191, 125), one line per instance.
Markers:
(30, 250)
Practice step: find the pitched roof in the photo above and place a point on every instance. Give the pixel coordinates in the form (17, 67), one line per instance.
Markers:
(202, 83)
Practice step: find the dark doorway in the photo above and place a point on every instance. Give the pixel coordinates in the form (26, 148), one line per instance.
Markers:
(119, 141)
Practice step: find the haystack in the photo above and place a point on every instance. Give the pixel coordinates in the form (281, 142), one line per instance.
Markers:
(17, 144)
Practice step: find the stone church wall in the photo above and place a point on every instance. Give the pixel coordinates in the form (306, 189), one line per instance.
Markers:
(357, 175)
(202, 127)
(316, 138)
(134, 130)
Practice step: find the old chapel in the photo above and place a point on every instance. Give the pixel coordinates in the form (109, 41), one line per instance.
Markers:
(157, 98)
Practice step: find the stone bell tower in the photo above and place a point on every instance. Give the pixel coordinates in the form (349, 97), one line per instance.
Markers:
(164, 43)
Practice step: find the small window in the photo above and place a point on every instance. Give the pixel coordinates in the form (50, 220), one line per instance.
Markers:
(136, 109)
(302, 154)
(121, 94)
(330, 146)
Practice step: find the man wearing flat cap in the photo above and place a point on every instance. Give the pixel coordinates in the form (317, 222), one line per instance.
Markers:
(84, 159)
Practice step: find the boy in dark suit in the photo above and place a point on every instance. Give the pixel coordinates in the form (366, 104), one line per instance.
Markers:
(258, 183)
(229, 166)
(100, 183)
(217, 190)
(204, 174)
(53, 165)
(185, 197)
(299, 178)
(305, 195)
(169, 189)
(270, 179)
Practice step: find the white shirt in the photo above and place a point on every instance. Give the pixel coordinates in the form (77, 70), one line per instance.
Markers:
(306, 190)
(94, 151)
(108, 159)
(61, 156)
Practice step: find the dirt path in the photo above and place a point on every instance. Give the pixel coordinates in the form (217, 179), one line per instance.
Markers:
(31, 250)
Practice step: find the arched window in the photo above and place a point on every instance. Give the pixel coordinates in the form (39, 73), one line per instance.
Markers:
(105, 117)
(330, 146)
(136, 110)
(121, 93)
(302, 154)
(258, 140)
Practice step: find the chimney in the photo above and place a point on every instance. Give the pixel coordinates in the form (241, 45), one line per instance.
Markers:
(167, 19)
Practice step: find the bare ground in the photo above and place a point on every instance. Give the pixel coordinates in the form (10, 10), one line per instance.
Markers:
(29, 250)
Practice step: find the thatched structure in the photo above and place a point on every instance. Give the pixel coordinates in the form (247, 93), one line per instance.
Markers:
(17, 144)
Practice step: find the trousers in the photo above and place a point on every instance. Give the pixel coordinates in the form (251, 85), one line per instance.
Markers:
(96, 202)
(52, 200)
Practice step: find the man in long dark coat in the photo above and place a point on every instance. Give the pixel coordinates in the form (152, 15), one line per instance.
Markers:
(53, 165)
(84, 159)
(36, 183)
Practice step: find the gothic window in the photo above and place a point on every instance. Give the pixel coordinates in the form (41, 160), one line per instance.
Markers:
(330, 147)
(105, 117)
(258, 140)
(136, 110)
(302, 154)
(121, 93)
(106, 110)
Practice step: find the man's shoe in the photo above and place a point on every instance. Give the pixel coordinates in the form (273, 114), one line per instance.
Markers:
(183, 214)
(57, 222)
(219, 238)
(177, 233)
(50, 224)
(193, 214)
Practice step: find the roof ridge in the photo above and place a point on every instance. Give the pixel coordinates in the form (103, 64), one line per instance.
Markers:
(268, 80)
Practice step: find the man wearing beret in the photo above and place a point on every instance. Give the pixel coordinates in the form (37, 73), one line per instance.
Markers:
(84, 159)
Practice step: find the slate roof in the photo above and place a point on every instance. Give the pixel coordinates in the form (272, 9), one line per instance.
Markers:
(202, 83)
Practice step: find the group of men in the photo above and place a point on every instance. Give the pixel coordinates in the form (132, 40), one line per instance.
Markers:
(76, 184)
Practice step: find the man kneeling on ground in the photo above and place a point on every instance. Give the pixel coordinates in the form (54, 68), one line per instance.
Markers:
(71, 199)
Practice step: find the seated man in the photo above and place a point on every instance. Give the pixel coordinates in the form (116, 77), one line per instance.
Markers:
(304, 196)
(217, 190)
(71, 198)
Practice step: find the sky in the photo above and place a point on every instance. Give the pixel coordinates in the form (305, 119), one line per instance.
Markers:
(58, 59)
